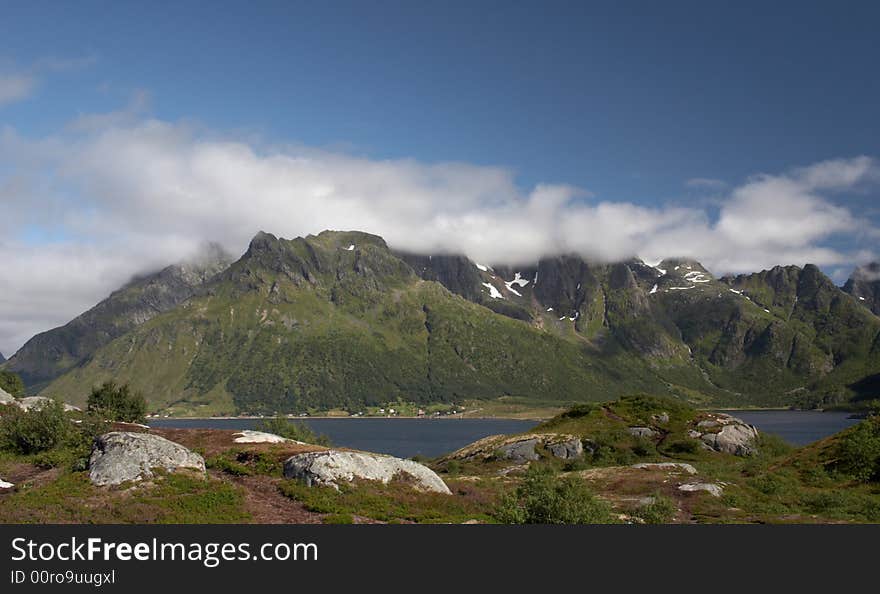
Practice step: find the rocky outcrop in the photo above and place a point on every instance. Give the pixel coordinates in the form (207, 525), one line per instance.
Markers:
(673, 466)
(711, 488)
(37, 402)
(248, 436)
(644, 432)
(330, 467)
(120, 456)
(522, 448)
(519, 451)
(567, 450)
(735, 437)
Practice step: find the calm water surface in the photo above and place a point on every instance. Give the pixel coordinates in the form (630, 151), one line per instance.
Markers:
(433, 437)
(398, 437)
(797, 427)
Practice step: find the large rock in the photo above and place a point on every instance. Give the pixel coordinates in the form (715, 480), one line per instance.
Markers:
(644, 432)
(567, 450)
(519, 451)
(120, 456)
(328, 467)
(734, 438)
(7, 398)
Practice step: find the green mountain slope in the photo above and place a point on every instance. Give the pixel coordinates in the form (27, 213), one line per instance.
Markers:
(340, 320)
(50, 354)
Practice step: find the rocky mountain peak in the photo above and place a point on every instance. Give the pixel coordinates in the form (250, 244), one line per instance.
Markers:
(864, 285)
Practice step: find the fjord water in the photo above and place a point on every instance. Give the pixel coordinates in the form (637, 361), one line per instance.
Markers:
(404, 437)
(798, 427)
(408, 437)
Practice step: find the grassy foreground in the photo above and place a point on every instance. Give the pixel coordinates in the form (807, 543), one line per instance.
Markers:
(832, 481)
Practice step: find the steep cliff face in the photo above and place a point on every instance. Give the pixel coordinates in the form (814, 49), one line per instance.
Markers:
(50, 354)
(864, 285)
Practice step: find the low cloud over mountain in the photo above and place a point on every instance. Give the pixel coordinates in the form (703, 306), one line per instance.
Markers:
(108, 197)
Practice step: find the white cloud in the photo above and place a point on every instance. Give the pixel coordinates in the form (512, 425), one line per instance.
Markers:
(15, 87)
(18, 84)
(120, 194)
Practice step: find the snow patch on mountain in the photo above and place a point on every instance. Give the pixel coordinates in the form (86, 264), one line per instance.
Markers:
(493, 292)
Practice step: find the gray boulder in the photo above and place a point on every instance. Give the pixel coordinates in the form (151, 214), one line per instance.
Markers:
(519, 451)
(645, 432)
(329, 467)
(567, 450)
(120, 456)
(735, 438)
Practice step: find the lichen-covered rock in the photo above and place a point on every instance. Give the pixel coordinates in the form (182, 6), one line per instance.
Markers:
(735, 438)
(567, 450)
(711, 488)
(329, 467)
(120, 456)
(645, 432)
(673, 466)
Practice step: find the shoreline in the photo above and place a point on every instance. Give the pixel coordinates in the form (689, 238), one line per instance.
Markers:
(352, 418)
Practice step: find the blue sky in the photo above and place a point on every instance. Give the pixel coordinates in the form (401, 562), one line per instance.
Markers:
(626, 99)
(621, 127)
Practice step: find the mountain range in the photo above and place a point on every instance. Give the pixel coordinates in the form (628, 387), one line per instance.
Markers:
(341, 320)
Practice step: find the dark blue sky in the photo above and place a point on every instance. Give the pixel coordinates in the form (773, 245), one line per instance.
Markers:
(627, 99)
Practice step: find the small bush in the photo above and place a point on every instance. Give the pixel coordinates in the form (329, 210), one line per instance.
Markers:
(544, 498)
(660, 511)
(858, 452)
(117, 403)
(36, 430)
(684, 446)
(11, 383)
(294, 430)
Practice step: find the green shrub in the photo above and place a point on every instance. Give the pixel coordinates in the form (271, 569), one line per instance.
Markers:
(684, 446)
(11, 383)
(858, 452)
(644, 447)
(36, 430)
(659, 511)
(117, 403)
(294, 430)
(545, 498)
